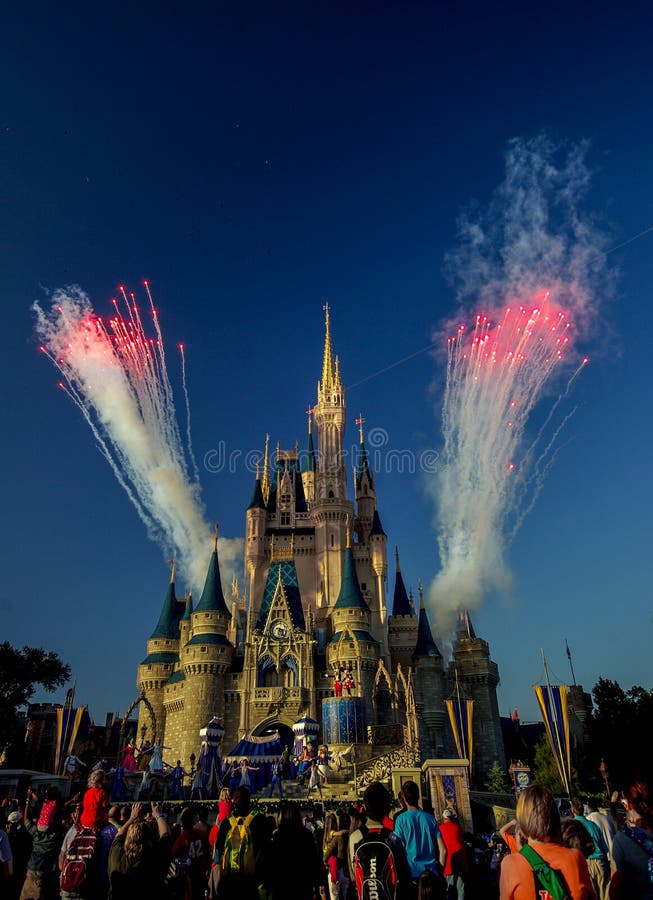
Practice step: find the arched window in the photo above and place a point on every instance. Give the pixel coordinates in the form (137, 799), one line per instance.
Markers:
(289, 671)
(267, 675)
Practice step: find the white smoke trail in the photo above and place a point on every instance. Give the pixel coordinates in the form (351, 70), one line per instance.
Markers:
(531, 254)
(118, 379)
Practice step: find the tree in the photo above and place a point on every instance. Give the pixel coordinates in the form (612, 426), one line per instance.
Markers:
(497, 781)
(620, 729)
(545, 770)
(21, 671)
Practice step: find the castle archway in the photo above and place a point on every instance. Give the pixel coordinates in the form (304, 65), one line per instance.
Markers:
(271, 726)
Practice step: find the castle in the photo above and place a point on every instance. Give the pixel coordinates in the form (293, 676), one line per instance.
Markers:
(314, 603)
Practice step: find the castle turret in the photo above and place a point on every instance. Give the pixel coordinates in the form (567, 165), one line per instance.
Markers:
(309, 463)
(364, 484)
(402, 624)
(255, 528)
(478, 677)
(158, 665)
(352, 646)
(429, 687)
(205, 658)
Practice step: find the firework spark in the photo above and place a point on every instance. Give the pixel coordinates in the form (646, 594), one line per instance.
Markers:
(117, 376)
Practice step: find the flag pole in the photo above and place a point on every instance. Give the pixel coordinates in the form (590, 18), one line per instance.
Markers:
(565, 774)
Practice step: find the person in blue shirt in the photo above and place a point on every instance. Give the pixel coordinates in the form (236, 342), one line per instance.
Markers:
(597, 861)
(420, 835)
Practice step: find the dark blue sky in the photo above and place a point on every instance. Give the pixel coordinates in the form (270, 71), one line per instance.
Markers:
(253, 160)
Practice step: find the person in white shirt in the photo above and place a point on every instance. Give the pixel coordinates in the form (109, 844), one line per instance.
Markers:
(604, 822)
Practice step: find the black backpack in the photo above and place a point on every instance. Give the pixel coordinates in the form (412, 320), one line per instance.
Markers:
(80, 872)
(375, 866)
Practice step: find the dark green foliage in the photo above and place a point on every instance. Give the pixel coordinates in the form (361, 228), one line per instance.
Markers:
(20, 673)
(497, 781)
(620, 729)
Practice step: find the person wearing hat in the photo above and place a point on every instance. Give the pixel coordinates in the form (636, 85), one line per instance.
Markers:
(21, 849)
(455, 867)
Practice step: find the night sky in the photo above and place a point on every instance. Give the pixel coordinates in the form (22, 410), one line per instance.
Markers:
(254, 160)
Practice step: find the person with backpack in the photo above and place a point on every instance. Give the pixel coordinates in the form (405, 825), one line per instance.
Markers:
(378, 865)
(597, 861)
(239, 843)
(543, 869)
(420, 835)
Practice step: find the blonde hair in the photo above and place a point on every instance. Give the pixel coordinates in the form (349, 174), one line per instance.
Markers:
(96, 778)
(225, 794)
(537, 815)
(135, 841)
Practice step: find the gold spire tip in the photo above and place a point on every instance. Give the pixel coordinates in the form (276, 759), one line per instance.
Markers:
(420, 589)
(173, 565)
(215, 537)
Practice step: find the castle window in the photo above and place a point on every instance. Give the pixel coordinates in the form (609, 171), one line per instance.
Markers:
(285, 498)
(364, 586)
(333, 540)
(285, 518)
(203, 649)
(331, 495)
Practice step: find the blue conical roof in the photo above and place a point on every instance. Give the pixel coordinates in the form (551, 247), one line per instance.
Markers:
(212, 599)
(400, 602)
(167, 626)
(350, 591)
(377, 527)
(426, 646)
(257, 501)
(188, 611)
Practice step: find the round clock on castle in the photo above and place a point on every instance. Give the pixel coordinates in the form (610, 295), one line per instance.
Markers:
(279, 630)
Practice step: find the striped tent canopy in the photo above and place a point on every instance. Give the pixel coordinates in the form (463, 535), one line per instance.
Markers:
(257, 749)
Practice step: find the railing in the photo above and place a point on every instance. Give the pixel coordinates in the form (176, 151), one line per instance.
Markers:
(379, 768)
(272, 694)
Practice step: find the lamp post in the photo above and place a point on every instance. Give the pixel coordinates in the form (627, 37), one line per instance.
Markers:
(603, 769)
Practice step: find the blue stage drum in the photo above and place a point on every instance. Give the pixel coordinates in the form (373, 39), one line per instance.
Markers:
(343, 720)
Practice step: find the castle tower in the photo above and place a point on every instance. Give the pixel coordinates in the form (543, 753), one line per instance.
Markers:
(402, 624)
(478, 677)
(205, 659)
(278, 669)
(256, 542)
(158, 665)
(332, 512)
(352, 646)
(429, 687)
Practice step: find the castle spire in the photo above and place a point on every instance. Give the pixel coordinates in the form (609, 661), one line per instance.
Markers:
(257, 501)
(309, 462)
(327, 360)
(350, 591)
(212, 599)
(400, 602)
(167, 626)
(265, 484)
(426, 646)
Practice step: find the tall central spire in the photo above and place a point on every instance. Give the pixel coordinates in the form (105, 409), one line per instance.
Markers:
(327, 361)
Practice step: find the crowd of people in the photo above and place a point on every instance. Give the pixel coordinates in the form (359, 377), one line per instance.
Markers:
(92, 850)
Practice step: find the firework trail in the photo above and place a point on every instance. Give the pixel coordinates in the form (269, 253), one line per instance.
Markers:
(117, 377)
(535, 245)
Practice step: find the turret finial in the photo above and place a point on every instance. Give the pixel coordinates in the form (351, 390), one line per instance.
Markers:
(215, 538)
(397, 559)
(327, 361)
(309, 413)
(265, 484)
(173, 565)
(420, 590)
(348, 536)
(258, 469)
(360, 421)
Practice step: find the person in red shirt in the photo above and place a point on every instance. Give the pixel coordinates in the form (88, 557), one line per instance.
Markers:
(192, 847)
(95, 805)
(455, 867)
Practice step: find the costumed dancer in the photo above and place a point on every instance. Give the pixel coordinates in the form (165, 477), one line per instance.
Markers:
(176, 790)
(348, 682)
(323, 764)
(145, 786)
(277, 772)
(118, 784)
(314, 780)
(197, 788)
(128, 760)
(244, 770)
